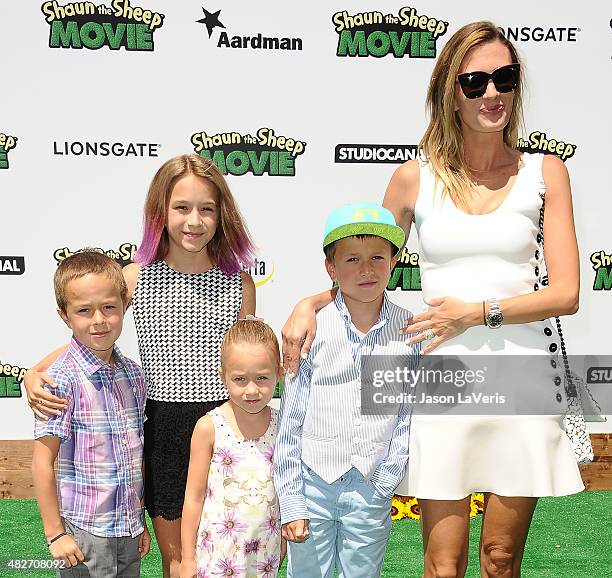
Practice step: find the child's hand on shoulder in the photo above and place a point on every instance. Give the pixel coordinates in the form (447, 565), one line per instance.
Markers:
(67, 550)
(188, 568)
(296, 531)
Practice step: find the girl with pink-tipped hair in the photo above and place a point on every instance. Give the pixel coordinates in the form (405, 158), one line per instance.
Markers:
(186, 289)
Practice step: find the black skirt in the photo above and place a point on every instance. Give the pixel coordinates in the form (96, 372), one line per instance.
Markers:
(167, 434)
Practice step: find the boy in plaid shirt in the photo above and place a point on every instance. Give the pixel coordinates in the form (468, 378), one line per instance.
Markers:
(92, 514)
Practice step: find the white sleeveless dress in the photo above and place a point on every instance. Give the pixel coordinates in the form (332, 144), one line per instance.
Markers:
(476, 257)
(239, 531)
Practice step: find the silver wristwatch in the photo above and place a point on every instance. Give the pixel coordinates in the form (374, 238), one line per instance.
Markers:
(494, 318)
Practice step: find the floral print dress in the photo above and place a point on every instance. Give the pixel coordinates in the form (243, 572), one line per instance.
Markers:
(239, 532)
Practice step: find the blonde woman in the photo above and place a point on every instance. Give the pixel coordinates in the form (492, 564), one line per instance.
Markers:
(475, 202)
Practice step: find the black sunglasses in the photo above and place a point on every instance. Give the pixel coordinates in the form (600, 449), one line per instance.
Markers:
(505, 79)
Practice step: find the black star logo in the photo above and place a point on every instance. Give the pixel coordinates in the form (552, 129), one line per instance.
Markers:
(211, 19)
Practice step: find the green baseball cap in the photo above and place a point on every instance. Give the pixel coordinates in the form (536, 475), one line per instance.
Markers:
(363, 219)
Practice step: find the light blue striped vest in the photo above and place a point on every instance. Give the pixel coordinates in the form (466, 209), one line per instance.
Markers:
(335, 435)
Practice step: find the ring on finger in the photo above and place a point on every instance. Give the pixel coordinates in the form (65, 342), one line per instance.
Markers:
(429, 334)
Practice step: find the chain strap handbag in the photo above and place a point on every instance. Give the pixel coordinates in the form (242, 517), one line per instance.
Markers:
(575, 388)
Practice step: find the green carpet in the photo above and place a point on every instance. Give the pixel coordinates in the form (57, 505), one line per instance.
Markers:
(570, 537)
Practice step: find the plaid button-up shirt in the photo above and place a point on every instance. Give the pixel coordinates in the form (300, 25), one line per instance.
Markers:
(99, 465)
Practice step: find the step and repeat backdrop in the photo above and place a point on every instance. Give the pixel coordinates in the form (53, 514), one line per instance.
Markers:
(305, 106)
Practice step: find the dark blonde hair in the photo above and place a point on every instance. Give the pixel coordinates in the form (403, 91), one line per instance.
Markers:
(230, 248)
(442, 143)
(252, 332)
(85, 262)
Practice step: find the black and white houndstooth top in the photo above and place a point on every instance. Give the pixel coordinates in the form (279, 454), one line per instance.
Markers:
(180, 321)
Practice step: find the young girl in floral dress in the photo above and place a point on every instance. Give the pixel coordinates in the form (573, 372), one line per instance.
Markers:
(230, 524)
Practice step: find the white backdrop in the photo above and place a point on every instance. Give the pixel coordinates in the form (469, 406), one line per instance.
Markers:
(152, 93)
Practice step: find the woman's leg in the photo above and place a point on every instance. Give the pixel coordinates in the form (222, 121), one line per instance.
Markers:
(446, 535)
(504, 533)
(168, 536)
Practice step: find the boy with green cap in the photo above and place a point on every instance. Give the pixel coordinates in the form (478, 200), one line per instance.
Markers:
(336, 467)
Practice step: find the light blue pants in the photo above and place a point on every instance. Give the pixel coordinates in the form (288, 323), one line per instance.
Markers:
(349, 529)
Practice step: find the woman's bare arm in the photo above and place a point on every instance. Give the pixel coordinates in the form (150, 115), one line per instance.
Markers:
(401, 194)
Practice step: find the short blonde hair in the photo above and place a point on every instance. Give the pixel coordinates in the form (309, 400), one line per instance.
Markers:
(252, 332)
(442, 143)
(85, 262)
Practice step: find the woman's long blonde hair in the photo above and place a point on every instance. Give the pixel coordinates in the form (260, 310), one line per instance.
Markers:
(442, 143)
